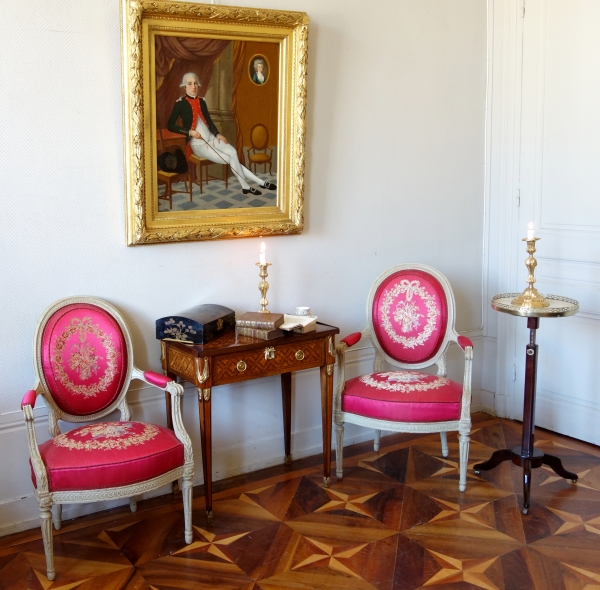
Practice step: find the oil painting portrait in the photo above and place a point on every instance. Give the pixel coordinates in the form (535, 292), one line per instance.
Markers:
(219, 124)
(214, 100)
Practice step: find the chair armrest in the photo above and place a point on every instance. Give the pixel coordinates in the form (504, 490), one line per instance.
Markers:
(41, 477)
(467, 345)
(157, 379)
(340, 350)
(152, 378)
(29, 399)
(351, 339)
(463, 342)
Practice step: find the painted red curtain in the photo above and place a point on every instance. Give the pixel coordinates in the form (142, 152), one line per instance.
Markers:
(176, 56)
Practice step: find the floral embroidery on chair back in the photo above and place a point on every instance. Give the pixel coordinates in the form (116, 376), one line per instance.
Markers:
(83, 358)
(410, 315)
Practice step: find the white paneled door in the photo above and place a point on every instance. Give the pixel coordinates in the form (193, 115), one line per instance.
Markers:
(560, 193)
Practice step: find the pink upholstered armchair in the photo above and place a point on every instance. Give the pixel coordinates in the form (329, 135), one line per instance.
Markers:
(410, 315)
(84, 364)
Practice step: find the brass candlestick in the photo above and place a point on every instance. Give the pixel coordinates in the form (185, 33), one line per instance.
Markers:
(263, 286)
(530, 298)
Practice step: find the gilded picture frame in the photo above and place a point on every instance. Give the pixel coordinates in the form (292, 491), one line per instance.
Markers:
(212, 151)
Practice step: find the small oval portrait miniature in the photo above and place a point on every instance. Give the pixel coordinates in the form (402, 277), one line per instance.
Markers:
(258, 69)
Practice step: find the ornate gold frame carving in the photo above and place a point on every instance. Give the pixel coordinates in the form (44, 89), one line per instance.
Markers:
(290, 29)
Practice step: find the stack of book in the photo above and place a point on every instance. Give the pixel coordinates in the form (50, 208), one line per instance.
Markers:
(264, 326)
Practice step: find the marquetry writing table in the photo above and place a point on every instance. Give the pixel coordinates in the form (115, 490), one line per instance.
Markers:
(233, 358)
(526, 455)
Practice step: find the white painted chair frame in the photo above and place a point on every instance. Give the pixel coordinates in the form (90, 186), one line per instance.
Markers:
(46, 499)
(462, 425)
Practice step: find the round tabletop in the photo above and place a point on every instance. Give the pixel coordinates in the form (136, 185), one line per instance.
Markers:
(559, 307)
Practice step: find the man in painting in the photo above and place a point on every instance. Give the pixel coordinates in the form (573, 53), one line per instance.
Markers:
(203, 138)
(258, 76)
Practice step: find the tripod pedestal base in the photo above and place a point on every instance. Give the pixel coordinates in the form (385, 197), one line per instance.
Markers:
(536, 459)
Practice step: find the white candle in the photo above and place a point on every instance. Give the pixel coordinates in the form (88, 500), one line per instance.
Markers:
(262, 253)
(530, 235)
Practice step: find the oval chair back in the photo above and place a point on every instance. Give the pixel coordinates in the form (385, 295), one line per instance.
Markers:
(83, 358)
(259, 137)
(410, 312)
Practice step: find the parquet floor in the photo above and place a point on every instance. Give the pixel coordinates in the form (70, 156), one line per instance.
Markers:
(396, 522)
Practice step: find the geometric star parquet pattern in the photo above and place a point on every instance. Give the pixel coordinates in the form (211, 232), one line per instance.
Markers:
(395, 522)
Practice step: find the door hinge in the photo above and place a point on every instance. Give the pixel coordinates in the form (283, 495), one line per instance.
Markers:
(523, 9)
(514, 373)
(518, 197)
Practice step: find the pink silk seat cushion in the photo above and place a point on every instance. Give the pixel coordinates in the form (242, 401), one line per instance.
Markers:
(109, 454)
(403, 396)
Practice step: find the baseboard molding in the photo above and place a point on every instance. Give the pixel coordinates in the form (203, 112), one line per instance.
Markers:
(557, 414)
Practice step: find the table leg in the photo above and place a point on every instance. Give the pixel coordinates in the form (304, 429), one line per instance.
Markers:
(526, 485)
(495, 460)
(556, 465)
(206, 441)
(326, 416)
(286, 401)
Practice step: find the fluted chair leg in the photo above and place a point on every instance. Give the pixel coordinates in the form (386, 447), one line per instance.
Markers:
(57, 516)
(463, 439)
(46, 525)
(133, 504)
(376, 440)
(444, 439)
(186, 492)
(339, 450)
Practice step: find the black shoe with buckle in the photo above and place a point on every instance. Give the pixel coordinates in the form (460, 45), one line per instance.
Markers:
(251, 190)
(269, 186)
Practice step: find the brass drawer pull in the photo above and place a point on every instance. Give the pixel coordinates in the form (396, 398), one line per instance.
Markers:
(241, 366)
(269, 353)
(299, 355)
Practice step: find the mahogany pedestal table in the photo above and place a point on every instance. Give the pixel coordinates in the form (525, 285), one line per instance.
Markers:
(526, 455)
(233, 358)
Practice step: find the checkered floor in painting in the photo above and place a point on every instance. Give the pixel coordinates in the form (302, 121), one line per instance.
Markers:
(216, 196)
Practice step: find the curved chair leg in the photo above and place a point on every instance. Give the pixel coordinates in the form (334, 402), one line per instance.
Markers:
(46, 524)
(376, 440)
(186, 492)
(339, 449)
(463, 439)
(57, 516)
(444, 439)
(133, 504)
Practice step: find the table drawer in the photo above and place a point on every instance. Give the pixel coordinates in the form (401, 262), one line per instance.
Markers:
(270, 360)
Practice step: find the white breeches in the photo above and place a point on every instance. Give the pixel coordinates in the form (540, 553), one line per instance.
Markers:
(224, 153)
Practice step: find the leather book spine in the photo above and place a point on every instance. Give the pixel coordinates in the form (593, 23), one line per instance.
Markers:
(258, 333)
(256, 325)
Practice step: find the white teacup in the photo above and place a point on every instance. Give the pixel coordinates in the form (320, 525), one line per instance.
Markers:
(303, 311)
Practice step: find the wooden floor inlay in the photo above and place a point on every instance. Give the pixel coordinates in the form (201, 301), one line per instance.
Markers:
(395, 522)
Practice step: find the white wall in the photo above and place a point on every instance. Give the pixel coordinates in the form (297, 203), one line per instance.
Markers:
(395, 173)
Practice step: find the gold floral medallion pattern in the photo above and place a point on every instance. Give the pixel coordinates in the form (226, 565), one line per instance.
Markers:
(404, 381)
(407, 315)
(83, 357)
(107, 436)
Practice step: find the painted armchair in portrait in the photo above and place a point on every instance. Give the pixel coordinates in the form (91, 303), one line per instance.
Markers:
(83, 364)
(410, 316)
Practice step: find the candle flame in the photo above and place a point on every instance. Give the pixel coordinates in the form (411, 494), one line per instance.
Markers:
(530, 226)
(262, 247)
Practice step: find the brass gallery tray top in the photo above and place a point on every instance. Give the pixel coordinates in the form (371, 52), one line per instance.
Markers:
(559, 306)
(233, 342)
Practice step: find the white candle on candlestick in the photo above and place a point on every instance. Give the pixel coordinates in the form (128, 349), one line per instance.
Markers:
(262, 253)
(530, 235)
